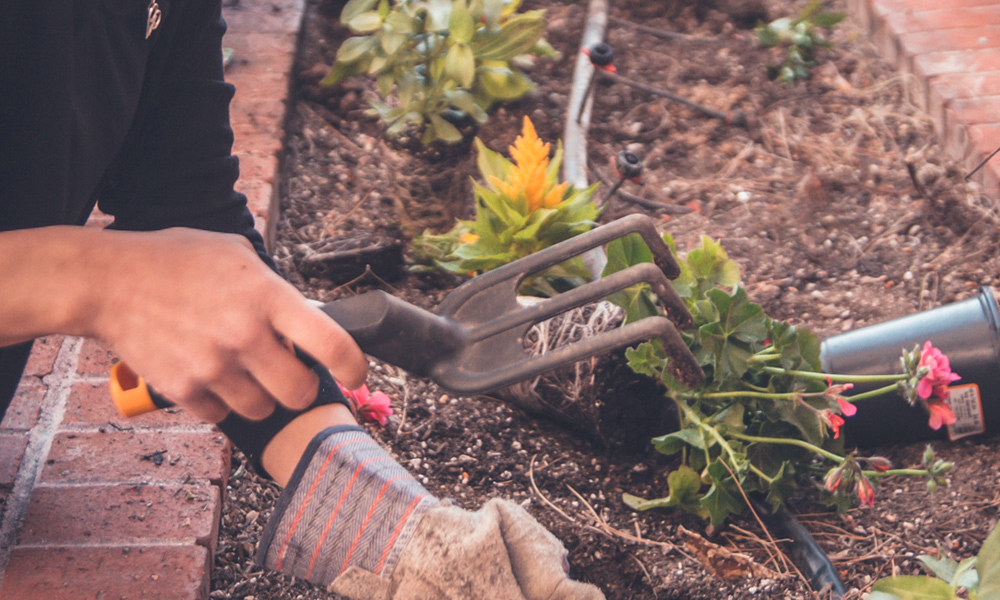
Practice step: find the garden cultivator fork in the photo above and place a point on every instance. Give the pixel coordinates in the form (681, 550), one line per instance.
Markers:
(474, 341)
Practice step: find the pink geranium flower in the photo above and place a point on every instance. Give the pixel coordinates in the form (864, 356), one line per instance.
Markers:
(375, 407)
(866, 493)
(941, 413)
(835, 393)
(833, 421)
(939, 375)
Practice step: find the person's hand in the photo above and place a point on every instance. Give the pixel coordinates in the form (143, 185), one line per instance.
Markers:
(209, 326)
(354, 520)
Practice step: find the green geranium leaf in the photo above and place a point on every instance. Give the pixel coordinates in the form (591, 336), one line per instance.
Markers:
(782, 486)
(638, 302)
(988, 566)
(740, 323)
(942, 567)
(625, 252)
(647, 358)
(914, 587)
(966, 575)
(721, 500)
(673, 443)
(684, 486)
(740, 318)
(799, 348)
(731, 417)
(803, 418)
(711, 265)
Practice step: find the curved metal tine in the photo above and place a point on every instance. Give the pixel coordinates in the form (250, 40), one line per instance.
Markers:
(591, 292)
(563, 251)
(682, 362)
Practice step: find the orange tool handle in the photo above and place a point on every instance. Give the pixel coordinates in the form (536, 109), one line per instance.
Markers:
(131, 394)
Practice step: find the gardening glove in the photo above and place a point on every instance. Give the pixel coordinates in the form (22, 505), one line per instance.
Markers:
(354, 520)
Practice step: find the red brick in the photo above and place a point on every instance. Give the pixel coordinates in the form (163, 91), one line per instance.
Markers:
(963, 112)
(43, 356)
(891, 32)
(261, 64)
(255, 166)
(122, 514)
(883, 7)
(12, 445)
(91, 404)
(979, 141)
(262, 16)
(983, 109)
(259, 114)
(25, 406)
(953, 17)
(263, 204)
(150, 573)
(914, 44)
(956, 61)
(117, 457)
(945, 89)
(96, 359)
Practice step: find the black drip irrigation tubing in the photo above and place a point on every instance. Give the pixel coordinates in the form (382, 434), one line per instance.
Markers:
(807, 555)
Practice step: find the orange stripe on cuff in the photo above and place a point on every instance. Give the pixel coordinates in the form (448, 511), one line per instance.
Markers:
(395, 533)
(333, 515)
(305, 503)
(364, 523)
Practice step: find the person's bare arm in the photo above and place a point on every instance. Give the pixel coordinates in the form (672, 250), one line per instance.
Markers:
(197, 314)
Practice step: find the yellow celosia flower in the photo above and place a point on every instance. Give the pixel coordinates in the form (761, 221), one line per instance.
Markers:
(531, 159)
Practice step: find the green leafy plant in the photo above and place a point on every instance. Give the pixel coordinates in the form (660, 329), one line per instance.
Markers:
(800, 38)
(439, 61)
(978, 575)
(766, 421)
(521, 208)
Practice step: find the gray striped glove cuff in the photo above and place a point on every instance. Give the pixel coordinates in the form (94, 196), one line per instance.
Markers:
(349, 503)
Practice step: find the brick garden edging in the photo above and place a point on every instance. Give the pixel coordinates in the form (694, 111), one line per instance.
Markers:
(952, 51)
(94, 504)
(98, 506)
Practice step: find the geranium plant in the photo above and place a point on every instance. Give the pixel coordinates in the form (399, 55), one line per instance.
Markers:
(437, 61)
(978, 575)
(521, 208)
(766, 420)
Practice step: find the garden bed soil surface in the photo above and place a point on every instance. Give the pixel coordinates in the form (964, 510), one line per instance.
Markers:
(836, 200)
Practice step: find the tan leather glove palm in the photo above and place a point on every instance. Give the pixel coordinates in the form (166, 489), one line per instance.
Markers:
(353, 519)
(498, 552)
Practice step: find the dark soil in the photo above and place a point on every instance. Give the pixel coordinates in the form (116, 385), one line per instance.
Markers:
(837, 201)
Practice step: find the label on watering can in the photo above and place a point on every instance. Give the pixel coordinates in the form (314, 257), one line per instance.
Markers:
(968, 408)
